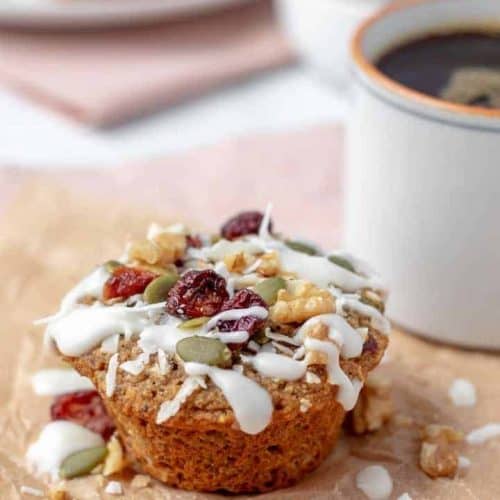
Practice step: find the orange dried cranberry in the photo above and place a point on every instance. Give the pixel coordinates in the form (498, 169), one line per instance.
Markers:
(84, 408)
(243, 299)
(196, 294)
(242, 224)
(126, 281)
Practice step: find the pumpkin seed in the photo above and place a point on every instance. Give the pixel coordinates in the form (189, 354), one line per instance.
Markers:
(111, 265)
(204, 350)
(370, 298)
(158, 289)
(193, 323)
(300, 246)
(342, 262)
(268, 289)
(82, 462)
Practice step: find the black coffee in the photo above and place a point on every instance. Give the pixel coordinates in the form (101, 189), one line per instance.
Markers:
(458, 67)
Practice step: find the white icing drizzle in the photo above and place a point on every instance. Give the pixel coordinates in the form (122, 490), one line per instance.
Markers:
(483, 434)
(169, 408)
(55, 381)
(110, 378)
(283, 348)
(378, 320)
(277, 366)
(235, 314)
(237, 337)
(110, 344)
(348, 390)
(57, 441)
(86, 327)
(340, 331)
(251, 403)
(462, 392)
(137, 365)
(375, 482)
(163, 336)
(264, 232)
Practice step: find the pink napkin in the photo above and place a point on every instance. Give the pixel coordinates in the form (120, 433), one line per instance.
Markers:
(106, 77)
(299, 172)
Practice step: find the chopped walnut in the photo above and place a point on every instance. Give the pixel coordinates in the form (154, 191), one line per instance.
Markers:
(300, 301)
(115, 460)
(58, 492)
(269, 264)
(162, 250)
(437, 456)
(140, 481)
(374, 407)
(238, 262)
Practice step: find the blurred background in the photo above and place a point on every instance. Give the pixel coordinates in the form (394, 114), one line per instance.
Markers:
(102, 82)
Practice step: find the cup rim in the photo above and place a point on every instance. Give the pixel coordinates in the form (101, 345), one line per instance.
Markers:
(392, 86)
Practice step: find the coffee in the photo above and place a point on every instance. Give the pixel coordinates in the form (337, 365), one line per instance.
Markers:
(462, 67)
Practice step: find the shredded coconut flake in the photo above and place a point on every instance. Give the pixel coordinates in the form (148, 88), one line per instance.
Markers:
(283, 348)
(169, 408)
(110, 345)
(375, 482)
(114, 488)
(111, 375)
(28, 490)
(163, 365)
(136, 366)
(462, 392)
(483, 434)
(312, 378)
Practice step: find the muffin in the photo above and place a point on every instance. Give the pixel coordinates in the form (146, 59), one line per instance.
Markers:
(226, 362)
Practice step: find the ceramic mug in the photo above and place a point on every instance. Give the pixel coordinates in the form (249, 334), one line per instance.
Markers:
(423, 184)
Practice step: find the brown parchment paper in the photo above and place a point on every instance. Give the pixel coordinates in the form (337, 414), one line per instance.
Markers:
(49, 238)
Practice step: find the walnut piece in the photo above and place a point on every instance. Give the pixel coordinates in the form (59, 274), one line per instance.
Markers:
(374, 407)
(437, 457)
(140, 481)
(269, 264)
(58, 492)
(115, 459)
(238, 262)
(300, 301)
(162, 250)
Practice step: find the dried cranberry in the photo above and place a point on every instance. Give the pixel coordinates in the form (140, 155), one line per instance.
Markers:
(194, 241)
(196, 294)
(84, 408)
(242, 224)
(370, 345)
(126, 281)
(243, 299)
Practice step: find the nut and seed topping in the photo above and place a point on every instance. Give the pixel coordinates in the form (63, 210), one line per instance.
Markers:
(82, 462)
(268, 289)
(204, 350)
(158, 289)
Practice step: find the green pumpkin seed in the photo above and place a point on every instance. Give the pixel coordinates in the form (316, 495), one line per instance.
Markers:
(342, 262)
(204, 350)
(82, 462)
(158, 289)
(268, 289)
(371, 298)
(193, 323)
(111, 265)
(300, 246)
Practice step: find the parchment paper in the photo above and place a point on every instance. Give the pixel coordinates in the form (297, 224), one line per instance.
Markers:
(49, 237)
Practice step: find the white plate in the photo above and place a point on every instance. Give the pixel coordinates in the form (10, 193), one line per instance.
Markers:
(98, 13)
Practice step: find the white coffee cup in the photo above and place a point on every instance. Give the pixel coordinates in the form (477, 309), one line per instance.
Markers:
(423, 184)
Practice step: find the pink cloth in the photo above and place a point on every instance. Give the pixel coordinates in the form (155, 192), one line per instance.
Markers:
(105, 77)
(299, 172)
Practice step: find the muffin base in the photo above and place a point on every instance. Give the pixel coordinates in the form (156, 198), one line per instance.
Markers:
(216, 458)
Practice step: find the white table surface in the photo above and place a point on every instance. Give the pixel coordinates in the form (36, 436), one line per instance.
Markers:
(287, 99)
